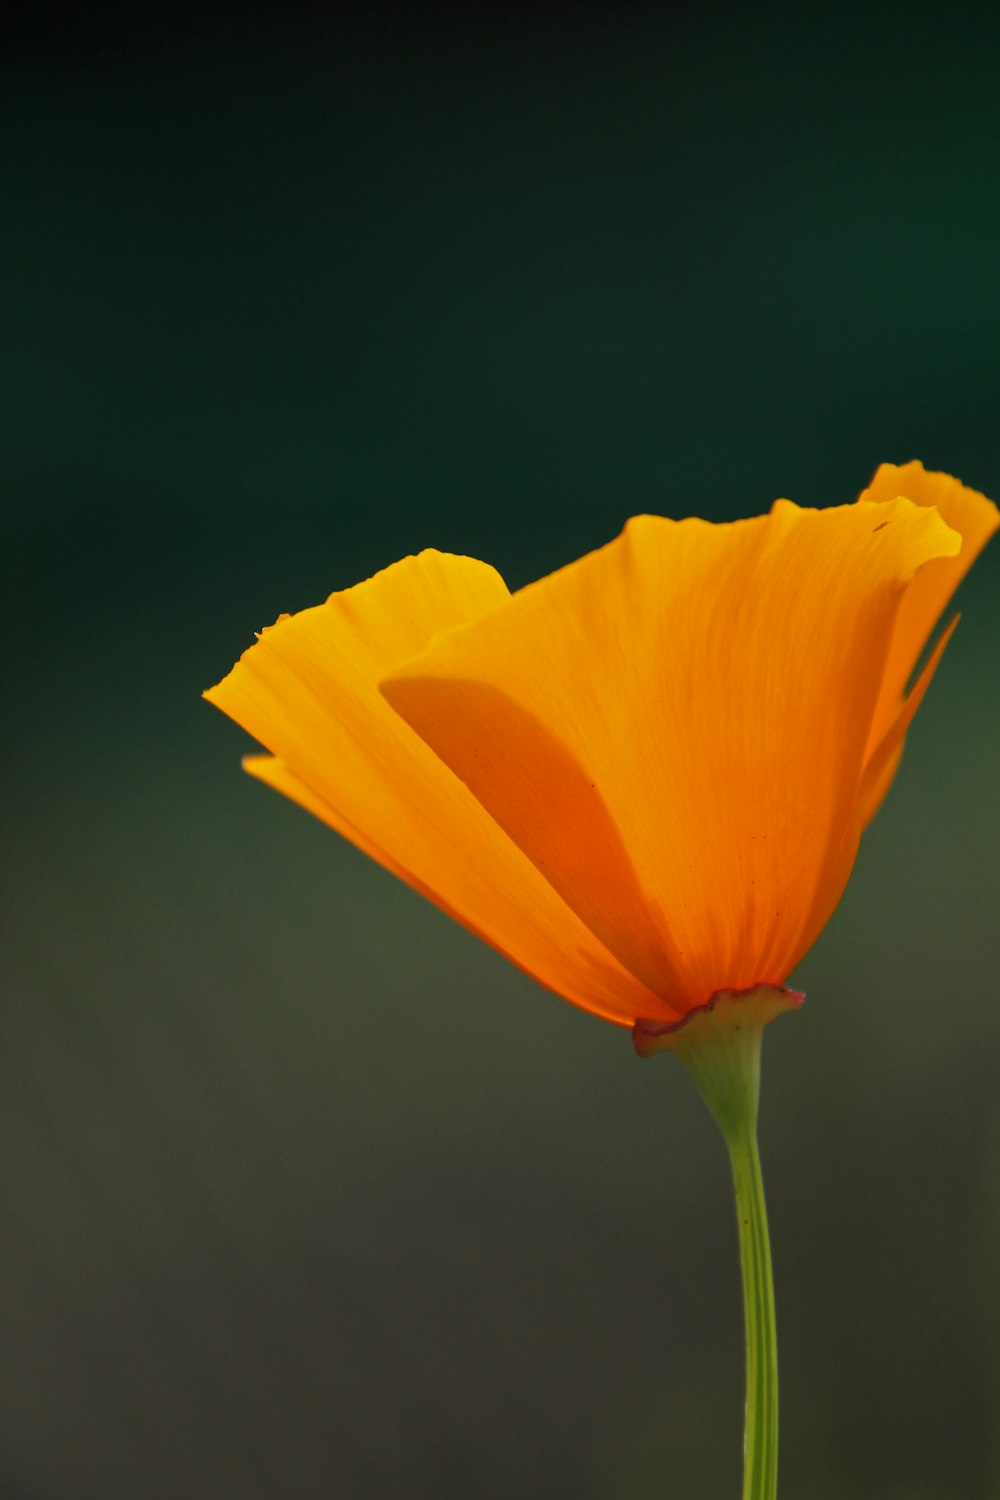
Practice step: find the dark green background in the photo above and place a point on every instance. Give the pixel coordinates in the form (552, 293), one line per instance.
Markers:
(305, 1192)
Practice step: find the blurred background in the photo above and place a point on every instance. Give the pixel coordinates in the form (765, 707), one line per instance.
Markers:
(304, 1191)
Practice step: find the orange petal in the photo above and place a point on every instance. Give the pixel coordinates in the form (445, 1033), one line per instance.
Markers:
(882, 763)
(307, 690)
(673, 728)
(975, 519)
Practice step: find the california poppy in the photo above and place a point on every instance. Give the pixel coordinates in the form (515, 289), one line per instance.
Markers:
(643, 778)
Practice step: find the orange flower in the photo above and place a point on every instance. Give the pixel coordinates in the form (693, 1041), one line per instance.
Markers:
(643, 778)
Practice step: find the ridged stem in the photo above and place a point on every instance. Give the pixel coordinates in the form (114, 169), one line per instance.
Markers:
(720, 1047)
(760, 1432)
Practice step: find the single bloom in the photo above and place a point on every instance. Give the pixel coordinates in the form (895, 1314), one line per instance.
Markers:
(644, 777)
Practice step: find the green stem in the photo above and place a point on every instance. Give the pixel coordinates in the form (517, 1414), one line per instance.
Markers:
(760, 1436)
(720, 1047)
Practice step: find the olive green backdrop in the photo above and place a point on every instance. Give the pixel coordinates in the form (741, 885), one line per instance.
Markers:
(304, 1191)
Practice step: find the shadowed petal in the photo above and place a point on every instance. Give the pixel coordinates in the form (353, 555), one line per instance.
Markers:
(882, 762)
(975, 519)
(673, 728)
(307, 691)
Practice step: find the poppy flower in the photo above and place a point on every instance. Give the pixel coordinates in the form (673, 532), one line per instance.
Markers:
(644, 777)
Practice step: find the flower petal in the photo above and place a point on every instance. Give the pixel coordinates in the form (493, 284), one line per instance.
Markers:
(307, 690)
(673, 728)
(975, 519)
(882, 762)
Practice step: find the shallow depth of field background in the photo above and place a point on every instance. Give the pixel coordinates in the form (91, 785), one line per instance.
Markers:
(304, 1191)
